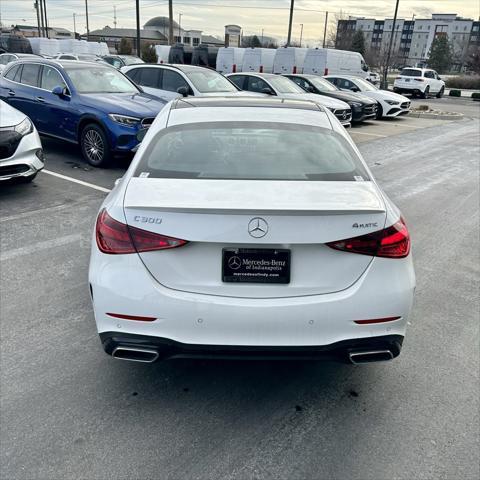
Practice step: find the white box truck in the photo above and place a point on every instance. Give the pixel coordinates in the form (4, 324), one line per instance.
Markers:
(230, 59)
(328, 61)
(258, 60)
(48, 47)
(289, 60)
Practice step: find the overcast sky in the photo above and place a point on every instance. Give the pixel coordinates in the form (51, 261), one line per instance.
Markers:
(210, 16)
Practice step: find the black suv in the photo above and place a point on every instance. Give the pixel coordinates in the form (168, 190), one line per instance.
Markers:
(363, 108)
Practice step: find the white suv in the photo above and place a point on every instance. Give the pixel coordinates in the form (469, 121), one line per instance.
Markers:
(419, 81)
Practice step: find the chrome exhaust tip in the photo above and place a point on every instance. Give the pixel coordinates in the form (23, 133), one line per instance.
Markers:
(369, 356)
(133, 354)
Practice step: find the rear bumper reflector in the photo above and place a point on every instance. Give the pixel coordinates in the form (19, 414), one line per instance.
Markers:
(132, 317)
(376, 320)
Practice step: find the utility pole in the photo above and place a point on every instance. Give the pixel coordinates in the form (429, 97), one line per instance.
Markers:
(301, 34)
(115, 16)
(389, 52)
(289, 38)
(170, 22)
(74, 26)
(46, 18)
(38, 18)
(180, 27)
(138, 27)
(325, 30)
(262, 38)
(86, 15)
(42, 19)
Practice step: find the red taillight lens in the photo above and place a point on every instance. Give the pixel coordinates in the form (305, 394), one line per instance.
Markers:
(234, 68)
(398, 78)
(261, 69)
(418, 79)
(294, 70)
(392, 242)
(114, 237)
(325, 71)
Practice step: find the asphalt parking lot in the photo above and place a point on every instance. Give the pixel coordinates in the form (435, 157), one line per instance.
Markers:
(70, 411)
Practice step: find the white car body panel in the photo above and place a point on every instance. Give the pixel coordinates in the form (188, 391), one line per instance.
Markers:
(182, 288)
(409, 84)
(25, 153)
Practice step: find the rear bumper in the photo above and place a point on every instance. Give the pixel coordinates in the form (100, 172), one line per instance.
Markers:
(167, 348)
(121, 284)
(411, 90)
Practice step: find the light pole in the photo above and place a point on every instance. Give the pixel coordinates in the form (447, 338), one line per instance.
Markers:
(301, 34)
(74, 26)
(170, 22)
(86, 15)
(38, 18)
(137, 5)
(262, 38)
(180, 27)
(389, 52)
(325, 30)
(289, 38)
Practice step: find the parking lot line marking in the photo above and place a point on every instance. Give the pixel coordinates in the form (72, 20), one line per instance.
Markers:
(36, 247)
(370, 134)
(74, 180)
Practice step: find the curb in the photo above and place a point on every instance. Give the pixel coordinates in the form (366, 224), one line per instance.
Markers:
(437, 116)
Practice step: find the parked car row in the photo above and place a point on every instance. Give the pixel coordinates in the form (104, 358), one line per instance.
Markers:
(102, 109)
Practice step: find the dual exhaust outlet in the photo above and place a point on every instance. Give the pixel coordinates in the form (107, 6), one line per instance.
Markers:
(148, 355)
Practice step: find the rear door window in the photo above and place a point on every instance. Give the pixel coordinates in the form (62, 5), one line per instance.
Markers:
(12, 73)
(30, 74)
(429, 75)
(301, 82)
(149, 77)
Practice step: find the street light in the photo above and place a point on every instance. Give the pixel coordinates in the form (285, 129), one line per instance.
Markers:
(385, 69)
(180, 27)
(301, 34)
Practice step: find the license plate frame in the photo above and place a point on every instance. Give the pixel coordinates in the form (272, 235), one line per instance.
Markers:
(256, 265)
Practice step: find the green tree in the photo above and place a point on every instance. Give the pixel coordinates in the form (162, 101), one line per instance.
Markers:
(441, 54)
(358, 42)
(473, 60)
(148, 54)
(125, 47)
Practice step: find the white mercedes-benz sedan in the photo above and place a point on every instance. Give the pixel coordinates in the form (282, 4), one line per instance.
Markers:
(21, 154)
(248, 228)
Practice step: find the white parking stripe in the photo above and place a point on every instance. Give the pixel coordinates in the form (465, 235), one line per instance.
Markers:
(36, 247)
(370, 134)
(74, 180)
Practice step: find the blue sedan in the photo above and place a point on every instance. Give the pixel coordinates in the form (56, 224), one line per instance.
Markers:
(90, 104)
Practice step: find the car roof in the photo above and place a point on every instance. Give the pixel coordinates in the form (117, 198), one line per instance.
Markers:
(59, 63)
(175, 66)
(255, 74)
(247, 109)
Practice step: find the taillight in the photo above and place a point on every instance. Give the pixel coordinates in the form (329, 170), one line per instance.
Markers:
(294, 70)
(261, 69)
(391, 242)
(325, 71)
(418, 79)
(234, 68)
(114, 237)
(398, 78)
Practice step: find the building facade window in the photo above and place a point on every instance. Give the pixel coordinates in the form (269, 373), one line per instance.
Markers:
(196, 41)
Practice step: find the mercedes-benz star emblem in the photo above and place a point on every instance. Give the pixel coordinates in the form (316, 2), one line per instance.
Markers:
(344, 115)
(257, 227)
(234, 263)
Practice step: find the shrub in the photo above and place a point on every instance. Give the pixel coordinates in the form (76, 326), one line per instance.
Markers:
(455, 93)
(148, 54)
(467, 83)
(476, 96)
(125, 47)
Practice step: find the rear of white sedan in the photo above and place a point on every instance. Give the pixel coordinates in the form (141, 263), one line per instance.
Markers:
(250, 228)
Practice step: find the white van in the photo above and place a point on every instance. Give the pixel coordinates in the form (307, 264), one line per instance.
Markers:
(163, 52)
(328, 61)
(230, 59)
(289, 60)
(258, 60)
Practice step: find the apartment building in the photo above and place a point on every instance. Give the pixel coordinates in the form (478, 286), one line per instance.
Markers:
(412, 38)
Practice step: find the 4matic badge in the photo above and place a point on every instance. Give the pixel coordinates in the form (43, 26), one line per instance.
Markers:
(365, 225)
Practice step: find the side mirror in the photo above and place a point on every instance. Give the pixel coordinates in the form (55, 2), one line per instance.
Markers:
(268, 91)
(183, 91)
(355, 89)
(60, 91)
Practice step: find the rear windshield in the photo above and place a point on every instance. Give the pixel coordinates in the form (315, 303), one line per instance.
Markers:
(411, 72)
(250, 151)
